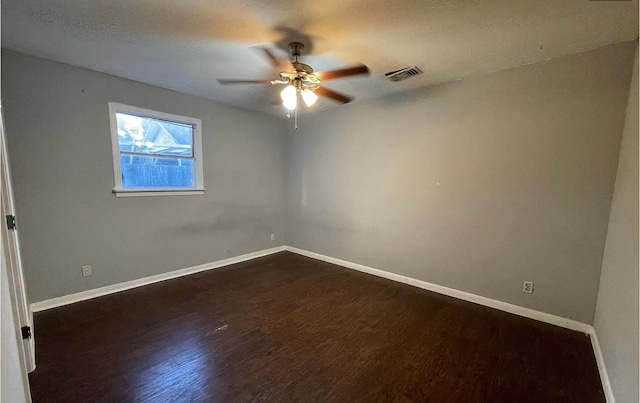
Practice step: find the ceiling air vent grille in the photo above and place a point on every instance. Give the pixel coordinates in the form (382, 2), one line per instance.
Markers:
(403, 74)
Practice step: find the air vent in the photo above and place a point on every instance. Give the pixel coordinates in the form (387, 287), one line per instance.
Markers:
(403, 74)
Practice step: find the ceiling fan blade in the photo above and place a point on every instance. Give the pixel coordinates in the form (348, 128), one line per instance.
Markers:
(350, 71)
(333, 95)
(225, 82)
(277, 63)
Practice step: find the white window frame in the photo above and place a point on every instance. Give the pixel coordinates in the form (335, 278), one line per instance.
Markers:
(118, 190)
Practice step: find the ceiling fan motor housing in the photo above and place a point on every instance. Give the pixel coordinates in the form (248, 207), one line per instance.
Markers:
(301, 67)
(296, 50)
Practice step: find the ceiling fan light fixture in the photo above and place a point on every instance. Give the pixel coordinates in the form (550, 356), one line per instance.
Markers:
(289, 97)
(309, 97)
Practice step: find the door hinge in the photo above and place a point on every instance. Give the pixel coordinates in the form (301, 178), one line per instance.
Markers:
(26, 332)
(11, 221)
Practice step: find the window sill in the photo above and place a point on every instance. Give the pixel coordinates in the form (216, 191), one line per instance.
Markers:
(156, 192)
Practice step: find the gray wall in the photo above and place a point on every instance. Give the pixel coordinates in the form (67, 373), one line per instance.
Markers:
(57, 124)
(476, 185)
(616, 319)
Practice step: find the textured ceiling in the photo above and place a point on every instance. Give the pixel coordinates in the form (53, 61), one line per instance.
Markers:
(186, 45)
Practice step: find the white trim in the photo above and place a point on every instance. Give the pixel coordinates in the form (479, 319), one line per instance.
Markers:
(115, 107)
(110, 289)
(492, 303)
(602, 369)
(11, 264)
(142, 193)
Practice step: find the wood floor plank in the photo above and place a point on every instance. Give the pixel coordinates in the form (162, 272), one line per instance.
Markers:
(286, 328)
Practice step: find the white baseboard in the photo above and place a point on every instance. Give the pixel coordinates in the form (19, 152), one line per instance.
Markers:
(110, 289)
(604, 375)
(492, 303)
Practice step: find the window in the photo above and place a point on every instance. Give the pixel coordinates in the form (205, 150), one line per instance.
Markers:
(155, 153)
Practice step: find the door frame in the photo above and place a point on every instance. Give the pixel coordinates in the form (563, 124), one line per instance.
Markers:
(11, 248)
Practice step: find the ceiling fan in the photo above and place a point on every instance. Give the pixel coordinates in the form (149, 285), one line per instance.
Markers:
(300, 78)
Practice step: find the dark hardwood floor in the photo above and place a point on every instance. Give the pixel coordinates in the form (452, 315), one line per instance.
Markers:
(286, 328)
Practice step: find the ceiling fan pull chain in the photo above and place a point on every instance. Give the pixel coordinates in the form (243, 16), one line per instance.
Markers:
(295, 122)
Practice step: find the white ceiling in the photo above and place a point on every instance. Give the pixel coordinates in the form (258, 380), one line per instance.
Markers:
(186, 45)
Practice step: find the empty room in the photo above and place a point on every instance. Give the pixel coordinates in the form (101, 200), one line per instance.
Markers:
(243, 201)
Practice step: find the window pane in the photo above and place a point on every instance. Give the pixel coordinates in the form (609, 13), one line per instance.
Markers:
(154, 136)
(154, 172)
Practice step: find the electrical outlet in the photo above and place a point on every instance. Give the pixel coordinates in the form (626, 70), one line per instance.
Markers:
(87, 271)
(527, 287)
(273, 237)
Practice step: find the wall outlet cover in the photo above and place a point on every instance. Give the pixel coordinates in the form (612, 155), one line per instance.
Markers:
(87, 271)
(527, 287)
